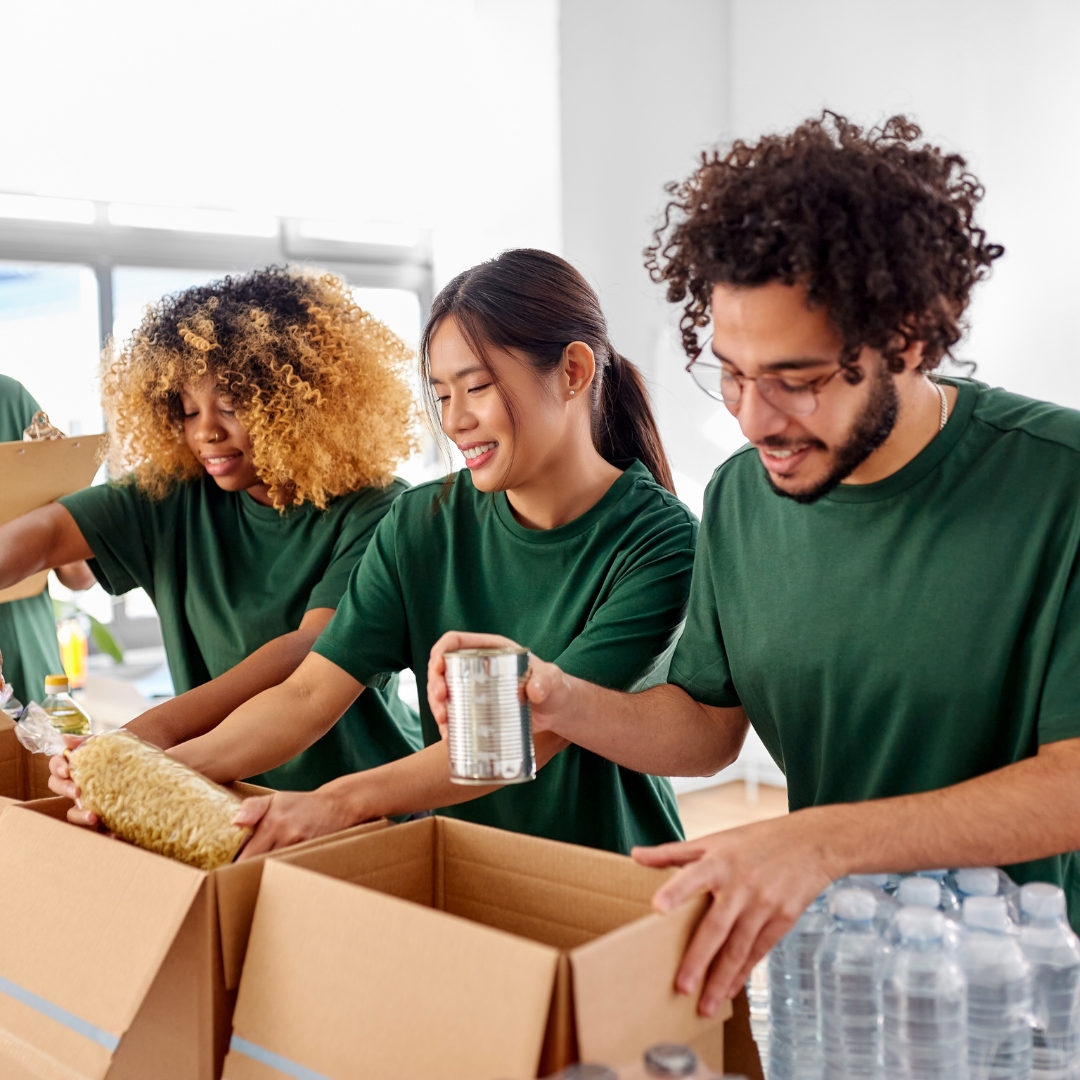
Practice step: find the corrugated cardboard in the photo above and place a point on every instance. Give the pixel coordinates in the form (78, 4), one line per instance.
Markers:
(113, 960)
(36, 474)
(445, 949)
(23, 775)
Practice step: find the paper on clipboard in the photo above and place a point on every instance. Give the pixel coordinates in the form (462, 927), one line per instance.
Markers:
(34, 474)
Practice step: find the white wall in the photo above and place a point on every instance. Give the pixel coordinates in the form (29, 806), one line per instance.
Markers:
(438, 113)
(643, 92)
(995, 80)
(645, 85)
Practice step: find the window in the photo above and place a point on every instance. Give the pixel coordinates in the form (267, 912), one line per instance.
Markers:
(49, 340)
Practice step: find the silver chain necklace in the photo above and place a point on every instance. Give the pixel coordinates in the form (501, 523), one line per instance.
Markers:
(944, 407)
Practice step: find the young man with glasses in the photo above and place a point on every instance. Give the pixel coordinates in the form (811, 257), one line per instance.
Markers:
(887, 578)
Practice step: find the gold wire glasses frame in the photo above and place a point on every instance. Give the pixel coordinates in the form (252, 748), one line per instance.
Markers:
(793, 399)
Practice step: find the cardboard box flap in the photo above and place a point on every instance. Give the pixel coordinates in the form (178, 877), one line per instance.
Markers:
(36, 473)
(5, 803)
(87, 922)
(11, 783)
(237, 889)
(560, 894)
(338, 977)
(642, 959)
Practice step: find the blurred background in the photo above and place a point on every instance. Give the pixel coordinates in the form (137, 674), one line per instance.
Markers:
(148, 147)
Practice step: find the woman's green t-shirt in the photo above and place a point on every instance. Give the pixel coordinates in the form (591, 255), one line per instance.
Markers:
(603, 597)
(227, 575)
(27, 627)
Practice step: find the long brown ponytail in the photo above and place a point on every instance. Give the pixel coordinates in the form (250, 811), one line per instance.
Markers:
(537, 303)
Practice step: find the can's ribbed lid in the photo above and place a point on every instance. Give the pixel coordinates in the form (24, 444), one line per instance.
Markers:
(670, 1059)
(854, 905)
(980, 881)
(919, 892)
(920, 924)
(1041, 900)
(986, 913)
(497, 650)
(586, 1070)
(56, 682)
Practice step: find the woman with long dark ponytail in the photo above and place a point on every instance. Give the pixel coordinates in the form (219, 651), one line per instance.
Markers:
(562, 533)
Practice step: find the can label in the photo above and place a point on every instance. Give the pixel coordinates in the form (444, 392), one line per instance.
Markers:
(489, 719)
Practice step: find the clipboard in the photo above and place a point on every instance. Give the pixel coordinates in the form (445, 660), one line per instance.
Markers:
(34, 474)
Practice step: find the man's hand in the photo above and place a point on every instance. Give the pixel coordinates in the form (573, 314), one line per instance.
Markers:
(761, 877)
(60, 783)
(288, 817)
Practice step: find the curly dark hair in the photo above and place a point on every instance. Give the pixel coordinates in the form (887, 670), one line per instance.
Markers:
(878, 226)
(320, 385)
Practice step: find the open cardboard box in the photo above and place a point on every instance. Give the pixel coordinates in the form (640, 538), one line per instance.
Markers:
(115, 962)
(445, 950)
(23, 775)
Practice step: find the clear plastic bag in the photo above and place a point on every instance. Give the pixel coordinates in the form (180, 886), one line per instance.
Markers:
(143, 795)
(8, 703)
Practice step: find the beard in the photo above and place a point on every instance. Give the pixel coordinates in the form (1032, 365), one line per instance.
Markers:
(872, 427)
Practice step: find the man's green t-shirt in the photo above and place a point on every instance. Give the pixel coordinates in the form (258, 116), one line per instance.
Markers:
(602, 596)
(27, 627)
(901, 636)
(227, 575)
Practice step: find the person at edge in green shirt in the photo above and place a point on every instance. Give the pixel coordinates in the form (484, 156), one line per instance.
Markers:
(258, 420)
(553, 530)
(888, 581)
(28, 641)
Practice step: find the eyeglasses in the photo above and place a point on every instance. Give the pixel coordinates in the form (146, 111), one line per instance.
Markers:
(793, 399)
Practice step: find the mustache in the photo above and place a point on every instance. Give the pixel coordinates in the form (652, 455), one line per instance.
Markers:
(778, 442)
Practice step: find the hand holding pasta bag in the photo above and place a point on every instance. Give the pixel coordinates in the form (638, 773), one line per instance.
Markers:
(144, 796)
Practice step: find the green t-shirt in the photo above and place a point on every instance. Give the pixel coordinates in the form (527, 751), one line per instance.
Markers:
(902, 636)
(27, 627)
(227, 575)
(602, 596)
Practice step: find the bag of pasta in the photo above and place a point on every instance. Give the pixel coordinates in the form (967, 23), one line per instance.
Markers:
(143, 795)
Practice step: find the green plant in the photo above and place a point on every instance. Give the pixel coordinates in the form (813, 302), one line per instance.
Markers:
(99, 632)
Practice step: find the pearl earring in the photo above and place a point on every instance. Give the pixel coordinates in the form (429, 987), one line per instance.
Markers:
(571, 393)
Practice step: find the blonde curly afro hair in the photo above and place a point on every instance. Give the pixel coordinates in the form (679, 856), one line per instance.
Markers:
(321, 387)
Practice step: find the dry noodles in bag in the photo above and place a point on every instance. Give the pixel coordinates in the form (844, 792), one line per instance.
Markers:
(156, 802)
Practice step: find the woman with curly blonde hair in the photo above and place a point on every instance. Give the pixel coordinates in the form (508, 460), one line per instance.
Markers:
(255, 423)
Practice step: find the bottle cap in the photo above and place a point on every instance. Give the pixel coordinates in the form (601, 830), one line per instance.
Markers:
(878, 880)
(670, 1059)
(854, 905)
(982, 881)
(986, 913)
(1042, 901)
(919, 892)
(55, 682)
(920, 924)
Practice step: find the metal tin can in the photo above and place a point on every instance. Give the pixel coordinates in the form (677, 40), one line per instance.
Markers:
(490, 724)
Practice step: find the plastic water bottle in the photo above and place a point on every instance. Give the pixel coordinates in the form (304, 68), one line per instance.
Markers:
(757, 998)
(850, 966)
(1053, 951)
(999, 992)
(887, 883)
(950, 902)
(794, 1035)
(925, 1003)
(919, 892)
(883, 889)
(986, 881)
